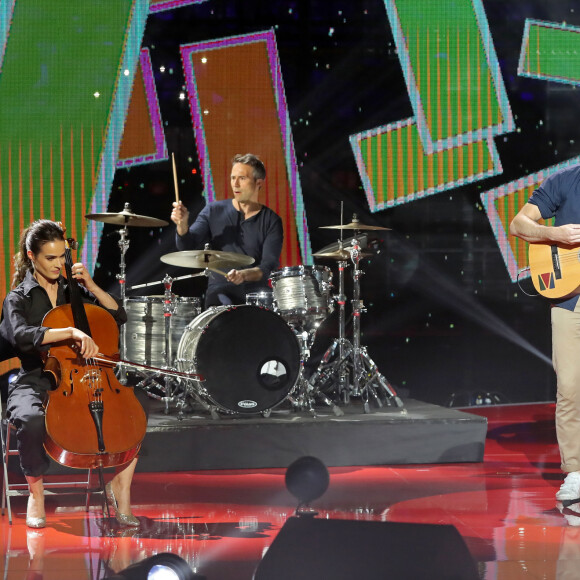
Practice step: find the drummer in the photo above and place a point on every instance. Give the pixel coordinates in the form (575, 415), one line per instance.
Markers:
(241, 225)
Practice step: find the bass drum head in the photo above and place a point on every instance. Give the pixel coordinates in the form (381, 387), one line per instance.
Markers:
(248, 356)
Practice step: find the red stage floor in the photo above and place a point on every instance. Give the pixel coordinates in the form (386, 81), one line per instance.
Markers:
(222, 522)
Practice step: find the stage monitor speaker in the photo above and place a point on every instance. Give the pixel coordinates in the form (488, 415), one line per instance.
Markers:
(315, 549)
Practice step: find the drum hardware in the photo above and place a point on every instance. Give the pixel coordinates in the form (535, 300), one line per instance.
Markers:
(342, 255)
(180, 398)
(302, 298)
(344, 244)
(353, 362)
(157, 282)
(150, 301)
(124, 218)
(168, 311)
(341, 342)
(304, 395)
(169, 384)
(154, 326)
(123, 246)
(198, 393)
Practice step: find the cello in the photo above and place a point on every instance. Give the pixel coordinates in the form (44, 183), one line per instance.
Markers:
(92, 420)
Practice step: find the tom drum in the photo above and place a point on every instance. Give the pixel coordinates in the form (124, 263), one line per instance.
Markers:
(145, 327)
(263, 299)
(302, 294)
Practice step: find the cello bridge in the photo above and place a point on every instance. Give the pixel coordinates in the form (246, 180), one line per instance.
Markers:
(92, 377)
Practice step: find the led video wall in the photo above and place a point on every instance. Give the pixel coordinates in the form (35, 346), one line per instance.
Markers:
(89, 103)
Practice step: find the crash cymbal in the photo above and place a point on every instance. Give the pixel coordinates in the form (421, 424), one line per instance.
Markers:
(354, 225)
(127, 218)
(212, 259)
(339, 255)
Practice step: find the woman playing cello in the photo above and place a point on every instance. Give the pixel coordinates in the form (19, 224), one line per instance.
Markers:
(38, 287)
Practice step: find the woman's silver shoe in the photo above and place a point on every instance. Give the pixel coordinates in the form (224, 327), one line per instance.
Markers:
(123, 519)
(33, 522)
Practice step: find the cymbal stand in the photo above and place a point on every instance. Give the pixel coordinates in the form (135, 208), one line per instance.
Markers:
(123, 246)
(342, 341)
(353, 360)
(169, 389)
(303, 396)
(157, 282)
(168, 310)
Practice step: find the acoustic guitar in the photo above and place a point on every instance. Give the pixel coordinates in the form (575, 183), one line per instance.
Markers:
(555, 269)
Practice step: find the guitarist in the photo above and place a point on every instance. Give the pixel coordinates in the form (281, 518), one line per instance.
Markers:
(559, 197)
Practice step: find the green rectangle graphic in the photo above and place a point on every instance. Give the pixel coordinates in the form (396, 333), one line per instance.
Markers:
(451, 70)
(63, 63)
(551, 52)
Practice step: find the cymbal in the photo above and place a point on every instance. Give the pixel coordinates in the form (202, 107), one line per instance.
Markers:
(212, 259)
(346, 244)
(341, 255)
(354, 225)
(127, 218)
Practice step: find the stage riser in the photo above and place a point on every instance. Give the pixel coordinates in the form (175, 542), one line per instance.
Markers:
(345, 444)
(419, 433)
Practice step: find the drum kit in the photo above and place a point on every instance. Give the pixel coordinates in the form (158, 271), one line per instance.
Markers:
(248, 358)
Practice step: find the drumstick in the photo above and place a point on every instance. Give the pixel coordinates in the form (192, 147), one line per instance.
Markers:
(217, 271)
(175, 178)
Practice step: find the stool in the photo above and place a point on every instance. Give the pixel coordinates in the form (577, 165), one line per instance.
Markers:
(10, 489)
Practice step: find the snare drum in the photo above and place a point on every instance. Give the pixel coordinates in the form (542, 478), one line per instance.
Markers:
(145, 327)
(302, 294)
(248, 356)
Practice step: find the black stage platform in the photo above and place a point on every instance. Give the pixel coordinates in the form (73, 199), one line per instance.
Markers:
(417, 433)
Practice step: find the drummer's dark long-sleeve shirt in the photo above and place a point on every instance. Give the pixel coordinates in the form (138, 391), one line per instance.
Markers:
(224, 228)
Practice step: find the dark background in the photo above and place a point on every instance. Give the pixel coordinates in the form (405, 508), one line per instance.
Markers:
(444, 323)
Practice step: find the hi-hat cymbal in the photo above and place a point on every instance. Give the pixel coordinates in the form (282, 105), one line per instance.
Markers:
(212, 259)
(346, 244)
(127, 218)
(339, 255)
(354, 225)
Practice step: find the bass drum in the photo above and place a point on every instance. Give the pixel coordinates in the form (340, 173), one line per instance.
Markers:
(248, 356)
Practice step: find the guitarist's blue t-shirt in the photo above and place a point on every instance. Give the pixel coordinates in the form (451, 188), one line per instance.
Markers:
(559, 197)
